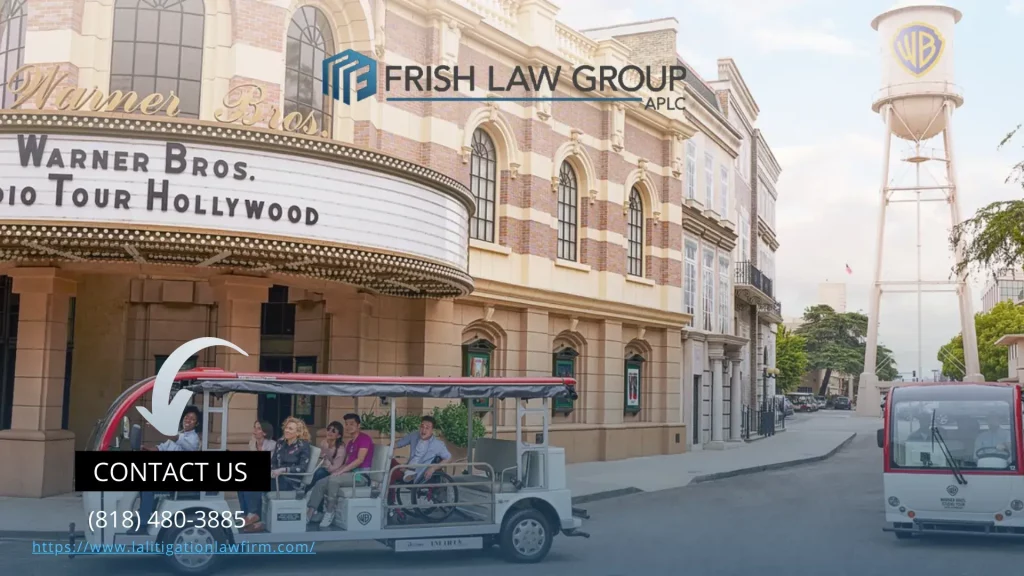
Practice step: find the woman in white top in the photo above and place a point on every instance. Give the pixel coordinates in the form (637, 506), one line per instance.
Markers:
(252, 502)
(262, 432)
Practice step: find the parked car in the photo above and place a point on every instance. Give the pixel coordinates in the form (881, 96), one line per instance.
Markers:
(805, 405)
(822, 402)
(842, 403)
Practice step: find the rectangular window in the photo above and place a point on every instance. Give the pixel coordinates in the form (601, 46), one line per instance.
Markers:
(709, 181)
(189, 364)
(690, 280)
(709, 289)
(691, 169)
(723, 201)
(723, 294)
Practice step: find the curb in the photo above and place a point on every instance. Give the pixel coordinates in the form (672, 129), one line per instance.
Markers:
(776, 466)
(607, 494)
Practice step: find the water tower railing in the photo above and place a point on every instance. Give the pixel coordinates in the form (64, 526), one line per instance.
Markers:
(912, 89)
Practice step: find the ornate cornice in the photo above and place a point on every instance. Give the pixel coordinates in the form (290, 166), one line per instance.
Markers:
(707, 228)
(383, 272)
(493, 292)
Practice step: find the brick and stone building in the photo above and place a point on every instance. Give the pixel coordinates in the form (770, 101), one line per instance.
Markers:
(399, 238)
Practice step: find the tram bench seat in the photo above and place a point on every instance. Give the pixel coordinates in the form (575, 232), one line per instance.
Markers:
(500, 455)
(378, 467)
(314, 460)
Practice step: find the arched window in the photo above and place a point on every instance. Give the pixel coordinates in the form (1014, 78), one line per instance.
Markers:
(310, 41)
(158, 47)
(12, 44)
(633, 385)
(567, 212)
(635, 234)
(564, 366)
(483, 182)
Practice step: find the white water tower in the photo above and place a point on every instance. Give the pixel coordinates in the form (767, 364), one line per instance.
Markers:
(916, 103)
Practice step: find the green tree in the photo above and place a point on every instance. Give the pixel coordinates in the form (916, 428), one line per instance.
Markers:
(993, 239)
(1005, 318)
(790, 359)
(836, 342)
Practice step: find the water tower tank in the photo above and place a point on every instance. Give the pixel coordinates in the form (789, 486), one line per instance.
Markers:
(917, 67)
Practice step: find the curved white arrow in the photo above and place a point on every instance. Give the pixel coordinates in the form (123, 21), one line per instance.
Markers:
(167, 413)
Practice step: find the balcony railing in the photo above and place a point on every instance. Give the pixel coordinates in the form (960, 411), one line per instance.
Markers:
(774, 308)
(502, 14)
(748, 274)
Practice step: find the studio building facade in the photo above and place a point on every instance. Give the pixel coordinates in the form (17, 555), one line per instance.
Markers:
(378, 237)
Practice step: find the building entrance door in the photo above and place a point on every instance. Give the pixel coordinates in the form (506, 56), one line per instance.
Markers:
(8, 349)
(696, 410)
(275, 408)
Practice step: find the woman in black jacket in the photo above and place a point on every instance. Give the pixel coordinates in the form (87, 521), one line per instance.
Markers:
(291, 456)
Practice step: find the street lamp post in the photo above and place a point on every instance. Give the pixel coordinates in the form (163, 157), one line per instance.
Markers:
(767, 415)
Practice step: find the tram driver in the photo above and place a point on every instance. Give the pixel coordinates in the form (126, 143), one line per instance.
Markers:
(995, 437)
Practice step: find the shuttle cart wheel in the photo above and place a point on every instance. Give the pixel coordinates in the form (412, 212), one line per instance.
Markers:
(193, 541)
(526, 537)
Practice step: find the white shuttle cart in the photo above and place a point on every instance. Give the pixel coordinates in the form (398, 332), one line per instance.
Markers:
(507, 493)
(953, 460)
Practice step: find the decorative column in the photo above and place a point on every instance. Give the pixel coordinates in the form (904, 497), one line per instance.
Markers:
(37, 453)
(353, 344)
(239, 305)
(717, 412)
(736, 403)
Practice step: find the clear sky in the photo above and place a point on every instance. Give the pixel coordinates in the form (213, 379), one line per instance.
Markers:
(813, 67)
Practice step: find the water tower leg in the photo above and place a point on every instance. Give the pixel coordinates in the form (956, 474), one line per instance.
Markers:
(867, 391)
(970, 335)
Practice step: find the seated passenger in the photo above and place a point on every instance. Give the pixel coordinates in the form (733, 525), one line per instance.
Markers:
(352, 472)
(291, 456)
(187, 441)
(262, 437)
(425, 448)
(924, 429)
(995, 437)
(251, 503)
(331, 453)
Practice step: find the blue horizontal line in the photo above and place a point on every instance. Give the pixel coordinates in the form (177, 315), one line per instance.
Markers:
(512, 99)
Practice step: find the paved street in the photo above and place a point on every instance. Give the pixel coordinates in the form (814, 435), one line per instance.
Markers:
(803, 520)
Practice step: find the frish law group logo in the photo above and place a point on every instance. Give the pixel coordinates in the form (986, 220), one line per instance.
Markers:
(340, 70)
(351, 73)
(918, 47)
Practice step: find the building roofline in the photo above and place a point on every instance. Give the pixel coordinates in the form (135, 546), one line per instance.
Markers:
(645, 25)
(763, 145)
(729, 66)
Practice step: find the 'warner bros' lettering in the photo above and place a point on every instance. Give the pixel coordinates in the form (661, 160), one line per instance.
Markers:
(62, 165)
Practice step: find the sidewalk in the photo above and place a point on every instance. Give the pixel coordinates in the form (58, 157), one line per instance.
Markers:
(806, 439)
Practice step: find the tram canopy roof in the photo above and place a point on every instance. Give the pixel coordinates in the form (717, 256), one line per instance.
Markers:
(217, 381)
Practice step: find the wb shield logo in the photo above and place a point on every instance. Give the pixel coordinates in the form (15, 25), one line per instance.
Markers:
(342, 70)
(952, 490)
(918, 48)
